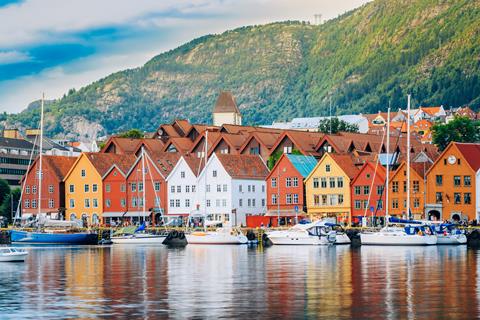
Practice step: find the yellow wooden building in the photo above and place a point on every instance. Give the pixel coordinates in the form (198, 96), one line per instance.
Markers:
(328, 187)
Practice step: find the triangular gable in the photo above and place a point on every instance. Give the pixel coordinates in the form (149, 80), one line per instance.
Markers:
(381, 172)
(147, 158)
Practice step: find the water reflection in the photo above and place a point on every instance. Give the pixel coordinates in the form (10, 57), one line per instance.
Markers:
(236, 281)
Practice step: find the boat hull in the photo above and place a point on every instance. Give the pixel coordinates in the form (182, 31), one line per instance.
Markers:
(342, 239)
(138, 240)
(14, 257)
(452, 239)
(300, 238)
(24, 237)
(396, 239)
(216, 239)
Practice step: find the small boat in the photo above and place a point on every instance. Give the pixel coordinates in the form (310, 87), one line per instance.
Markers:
(9, 254)
(134, 235)
(226, 235)
(447, 233)
(316, 233)
(53, 237)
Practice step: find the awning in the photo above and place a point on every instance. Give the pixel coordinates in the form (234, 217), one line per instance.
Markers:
(137, 214)
(285, 213)
(112, 214)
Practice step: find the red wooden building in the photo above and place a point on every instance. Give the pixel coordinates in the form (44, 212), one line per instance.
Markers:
(285, 188)
(54, 169)
(368, 192)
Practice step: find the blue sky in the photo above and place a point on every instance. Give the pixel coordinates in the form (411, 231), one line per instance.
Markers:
(53, 45)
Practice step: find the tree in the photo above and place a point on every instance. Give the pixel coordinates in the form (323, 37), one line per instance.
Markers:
(10, 199)
(133, 133)
(460, 129)
(335, 125)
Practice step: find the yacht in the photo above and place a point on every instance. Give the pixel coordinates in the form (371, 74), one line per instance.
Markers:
(316, 233)
(401, 233)
(447, 233)
(225, 235)
(9, 254)
(134, 235)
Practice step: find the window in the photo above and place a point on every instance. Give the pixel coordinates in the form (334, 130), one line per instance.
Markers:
(208, 188)
(467, 198)
(289, 198)
(274, 198)
(316, 200)
(438, 197)
(249, 188)
(366, 190)
(274, 182)
(240, 188)
(187, 203)
(108, 203)
(224, 202)
(380, 190)
(214, 173)
(327, 168)
(27, 203)
(157, 201)
(217, 203)
(123, 202)
(179, 189)
(172, 189)
(340, 199)
(456, 181)
(86, 187)
(224, 188)
(340, 182)
(27, 189)
(94, 187)
(404, 186)
(34, 203)
(87, 203)
(240, 202)
(416, 203)
(395, 186)
(133, 187)
(416, 186)
(72, 203)
(295, 198)
(323, 182)
(263, 188)
(333, 199)
(467, 181)
(182, 174)
(134, 202)
(315, 182)
(194, 188)
(357, 190)
(332, 182)
(123, 187)
(219, 188)
(208, 203)
(295, 182)
(50, 189)
(365, 204)
(157, 186)
(172, 203)
(288, 182)
(140, 186)
(95, 203)
(249, 202)
(177, 203)
(457, 198)
(380, 204)
(83, 173)
(439, 180)
(324, 199)
(263, 203)
(187, 189)
(34, 189)
(107, 187)
(394, 203)
(253, 188)
(287, 149)
(358, 204)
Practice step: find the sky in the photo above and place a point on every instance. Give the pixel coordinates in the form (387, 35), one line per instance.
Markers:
(52, 46)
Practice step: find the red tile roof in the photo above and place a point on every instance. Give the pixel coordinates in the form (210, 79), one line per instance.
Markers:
(471, 153)
(60, 164)
(123, 145)
(244, 166)
(347, 163)
(165, 161)
(196, 164)
(104, 161)
(225, 103)
(183, 145)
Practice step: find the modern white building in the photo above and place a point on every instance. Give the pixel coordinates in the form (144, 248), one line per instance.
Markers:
(232, 186)
(312, 123)
(182, 186)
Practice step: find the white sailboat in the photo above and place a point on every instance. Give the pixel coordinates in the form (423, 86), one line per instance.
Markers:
(316, 233)
(224, 235)
(137, 235)
(447, 233)
(399, 232)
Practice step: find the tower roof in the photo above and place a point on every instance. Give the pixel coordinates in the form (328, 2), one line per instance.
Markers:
(226, 103)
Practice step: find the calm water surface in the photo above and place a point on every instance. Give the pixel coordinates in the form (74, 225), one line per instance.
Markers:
(325, 282)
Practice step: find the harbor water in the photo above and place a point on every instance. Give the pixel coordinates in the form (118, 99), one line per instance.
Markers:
(201, 282)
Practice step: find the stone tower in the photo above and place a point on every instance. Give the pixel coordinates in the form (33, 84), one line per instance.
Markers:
(226, 110)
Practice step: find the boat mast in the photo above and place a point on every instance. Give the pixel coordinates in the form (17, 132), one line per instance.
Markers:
(40, 175)
(143, 184)
(408, 158)
(387, 204)
(205, 157)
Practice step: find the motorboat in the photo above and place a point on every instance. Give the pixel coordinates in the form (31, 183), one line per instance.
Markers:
(9, 254)
(401, 233)
(57, 237)
(447, 233)
(225, 235)
(136, 235)
(316, 233)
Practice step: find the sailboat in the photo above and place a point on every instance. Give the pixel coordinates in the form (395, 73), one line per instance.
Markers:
(224, 235)
(138, 235)
(396, 231)
(49, 231)
(447, 233)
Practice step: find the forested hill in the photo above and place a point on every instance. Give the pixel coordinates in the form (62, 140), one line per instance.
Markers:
(360, 61)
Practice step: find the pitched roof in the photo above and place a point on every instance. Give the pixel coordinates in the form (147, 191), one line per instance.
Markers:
(347, 163)
(266, 139)
(303, 164)
(165, 161)
(243, 166)
(379, 169)
(60, 164)
(235, 141)
(304, 141)
(196, 164)
(15, 143)
(225, 103)
(471, 153)
(104, 161)
(184, 125)
(183, 145)
(431, 110)
(152, 145)
(125, 145)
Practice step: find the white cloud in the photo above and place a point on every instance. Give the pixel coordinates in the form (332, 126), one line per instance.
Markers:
(9, 57)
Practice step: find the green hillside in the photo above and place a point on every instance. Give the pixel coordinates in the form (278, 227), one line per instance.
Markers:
(360, 61)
